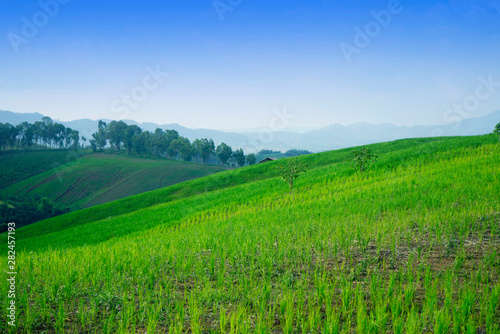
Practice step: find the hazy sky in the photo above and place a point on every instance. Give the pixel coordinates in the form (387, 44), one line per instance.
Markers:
(236, 64)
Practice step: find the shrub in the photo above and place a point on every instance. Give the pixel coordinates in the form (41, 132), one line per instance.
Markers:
(290, 169)
(362, 158)
(497, 130)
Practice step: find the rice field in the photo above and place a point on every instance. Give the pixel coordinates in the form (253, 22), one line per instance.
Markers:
(412, 245)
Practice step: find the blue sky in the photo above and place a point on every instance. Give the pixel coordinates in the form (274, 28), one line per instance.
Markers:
(421, 64)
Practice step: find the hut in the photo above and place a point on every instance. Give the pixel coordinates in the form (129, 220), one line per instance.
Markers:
(267, 159)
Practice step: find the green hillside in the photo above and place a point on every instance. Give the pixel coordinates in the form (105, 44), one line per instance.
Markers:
(16, 166)
(100, 178)
(410, 246)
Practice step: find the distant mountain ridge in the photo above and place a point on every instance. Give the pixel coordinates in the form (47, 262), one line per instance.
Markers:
(331, 137)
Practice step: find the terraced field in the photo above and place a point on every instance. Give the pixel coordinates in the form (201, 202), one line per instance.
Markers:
(20, 165)
(410, 246)
(100, 178)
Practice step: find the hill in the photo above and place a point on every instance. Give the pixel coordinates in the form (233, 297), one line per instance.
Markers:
(17, 118)
(20, 165)
(412, 245)
(99, 178)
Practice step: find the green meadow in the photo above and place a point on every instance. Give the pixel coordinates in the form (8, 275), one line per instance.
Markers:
(412, 245)
(100, 178)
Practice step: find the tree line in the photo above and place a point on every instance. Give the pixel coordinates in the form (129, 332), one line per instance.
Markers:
(117, 135)
(42, 134)
(164, 143)
(290, 153)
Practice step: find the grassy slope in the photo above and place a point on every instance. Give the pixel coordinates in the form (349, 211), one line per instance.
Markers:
(407, 149)
(20, 165)
(412, 244)
(100, 178)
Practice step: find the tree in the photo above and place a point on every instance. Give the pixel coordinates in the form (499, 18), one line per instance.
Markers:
(207, 148)
(26, 132)
(196, 148)
(8, 135)
(99, 136)
(116, 133)
(75, 138)
(362, 158)
(141, 142)
(47, 130)
(266, 152)
(128, 137)
(171, 135)
(239, 157)
(185, 149)
(174, 147)
(290, 169)
(68, 137)
(251, 159)
(93, 145)
(497, 130)
(159, 143)
(3, 135)
(224, 152)
(58, 133)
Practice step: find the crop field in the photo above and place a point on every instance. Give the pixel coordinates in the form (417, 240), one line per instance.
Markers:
(100, 178)
(20, 165)
(412, 245)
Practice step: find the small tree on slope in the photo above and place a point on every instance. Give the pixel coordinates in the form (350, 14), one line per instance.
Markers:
(497, 130)
(362, 158)
(291, 169)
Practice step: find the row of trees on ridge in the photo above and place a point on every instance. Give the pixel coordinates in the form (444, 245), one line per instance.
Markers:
(42, 134)
(160, 143)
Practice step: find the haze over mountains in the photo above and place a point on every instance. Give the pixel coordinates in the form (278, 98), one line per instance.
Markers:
(327, 138)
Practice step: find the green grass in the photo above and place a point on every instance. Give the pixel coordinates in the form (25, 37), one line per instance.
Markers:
(400, 152)
(16, 166)
(100, 178)
(412, 245)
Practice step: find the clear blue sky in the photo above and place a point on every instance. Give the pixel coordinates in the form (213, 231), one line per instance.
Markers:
(263, 56)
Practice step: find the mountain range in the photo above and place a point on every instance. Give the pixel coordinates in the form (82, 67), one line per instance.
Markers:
(327, 138)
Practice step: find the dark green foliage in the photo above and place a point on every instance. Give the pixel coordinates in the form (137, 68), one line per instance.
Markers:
(290, 169)
(207, 148)
(251, 159)
(159, 144)
(362, 158)
(99, 139)
(8, 134)
(39, 135)
(116, 134)
(497, 130)
(295, 152)
(128, 137)
(239, 157)
(26, 210)
(262, 152)
(224, 152)
(185, 149)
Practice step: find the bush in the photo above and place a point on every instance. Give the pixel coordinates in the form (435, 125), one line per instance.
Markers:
(290, 169)
(362, 158)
